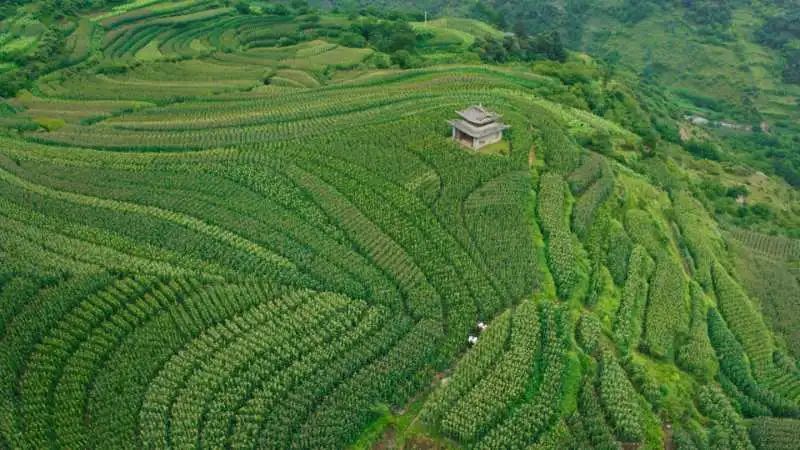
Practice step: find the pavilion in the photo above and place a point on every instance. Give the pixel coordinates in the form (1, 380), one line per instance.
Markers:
(478, 127)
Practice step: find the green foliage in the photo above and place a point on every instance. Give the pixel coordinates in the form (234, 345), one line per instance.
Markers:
(791, 68)
(619, 400)
(589, 427)
(242, 7)
(777, 434)
(700, 234)
(744, 321)
(469, 371)
(628, 322)
(685, 440)
(619, 251)
(561, 153)
(407, 233)
(763, 264)
(387, 36)
(234, 233)
(534, 416)
(588, 333)
(510, 396)
(484, 406)
(561, 253)
(594, 166)
(746, 406)
(728, 431)
(644, 230)
(587, 204)
(667, 314)
(780, 29)
(696, 355)
(520, 48)
(552, 201)
(49, 124)
(734, 365)
(404, 59)
(644, 383)
(715, 13)
(703, 149)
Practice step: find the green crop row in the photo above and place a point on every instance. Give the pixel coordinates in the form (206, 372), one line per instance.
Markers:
(562, 255)
(628, 320)
(777, 434)
(619, 400)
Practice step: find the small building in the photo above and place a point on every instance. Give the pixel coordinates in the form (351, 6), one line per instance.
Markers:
(478, 127)
(481, 326)
(472, 340)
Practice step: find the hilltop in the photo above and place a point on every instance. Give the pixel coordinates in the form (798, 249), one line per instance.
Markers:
(245, 224)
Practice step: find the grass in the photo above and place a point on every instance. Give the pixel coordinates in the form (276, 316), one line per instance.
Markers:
(337, 57)
(399, 429)
(125, 7)
(20, 45)
(502, 147)
(297, 77)
(444, 37)
(469, 26)
(454, 34)
(149, 52)
(49, 123)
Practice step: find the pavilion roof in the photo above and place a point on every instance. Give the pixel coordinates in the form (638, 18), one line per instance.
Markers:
(477, 131)
(478, 115)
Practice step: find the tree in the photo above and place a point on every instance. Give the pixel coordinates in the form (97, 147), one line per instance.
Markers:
(521, 48)
(709, 12)
(402, 58)
(703, 149)
(349, 39)
(550, 45)
(387, 36)
(791, 70)
(242, 7)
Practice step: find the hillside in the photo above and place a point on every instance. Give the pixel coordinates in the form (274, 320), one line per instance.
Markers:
(246, 225)
(733, 62)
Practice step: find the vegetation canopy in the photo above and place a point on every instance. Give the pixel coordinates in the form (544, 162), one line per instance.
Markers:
(249, 224)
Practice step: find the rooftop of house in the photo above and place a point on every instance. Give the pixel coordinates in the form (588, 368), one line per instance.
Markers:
(478, 131)
(478, 115)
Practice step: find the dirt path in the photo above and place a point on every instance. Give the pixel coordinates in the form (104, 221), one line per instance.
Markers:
(685, 134)
(666, 429)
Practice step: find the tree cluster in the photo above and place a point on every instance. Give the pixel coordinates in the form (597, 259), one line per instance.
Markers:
(779, 32)
(395, 37)
(714, 13)
(385, 35)
(521, 48)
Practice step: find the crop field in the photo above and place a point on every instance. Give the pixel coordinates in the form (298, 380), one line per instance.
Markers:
(454, 32)
(209, 240)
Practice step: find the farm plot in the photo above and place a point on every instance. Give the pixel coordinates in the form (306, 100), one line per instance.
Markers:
(212, 239)
(265, 294)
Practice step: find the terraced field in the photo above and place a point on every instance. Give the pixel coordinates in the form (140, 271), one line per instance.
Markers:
(351, 190)
(194, 258)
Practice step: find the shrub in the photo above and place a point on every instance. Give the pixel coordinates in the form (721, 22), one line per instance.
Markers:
(703, 149)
